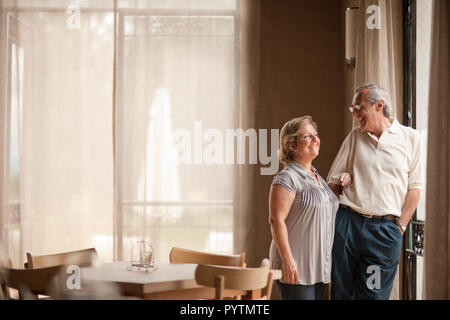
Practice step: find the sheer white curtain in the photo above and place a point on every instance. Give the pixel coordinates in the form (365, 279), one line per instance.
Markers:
(379, 48)
(115, 122)
(58, 184)
(437, 227)
(176, 76)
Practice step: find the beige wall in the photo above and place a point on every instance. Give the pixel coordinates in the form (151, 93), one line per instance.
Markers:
(301, 73)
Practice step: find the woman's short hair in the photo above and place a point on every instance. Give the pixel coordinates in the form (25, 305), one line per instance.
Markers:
(288, 135)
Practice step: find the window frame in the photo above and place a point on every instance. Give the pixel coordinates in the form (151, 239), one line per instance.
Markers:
(412, 248)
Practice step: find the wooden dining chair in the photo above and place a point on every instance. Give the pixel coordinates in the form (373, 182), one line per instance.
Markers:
(182, 255)
(4, 289)
(239, 280)
(5, 292)
(81, 258)
(32, 282)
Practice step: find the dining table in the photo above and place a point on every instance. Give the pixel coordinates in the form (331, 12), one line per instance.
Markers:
(164, 282)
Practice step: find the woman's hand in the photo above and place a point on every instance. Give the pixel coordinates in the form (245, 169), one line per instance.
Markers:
(345, 179)
(290, 272)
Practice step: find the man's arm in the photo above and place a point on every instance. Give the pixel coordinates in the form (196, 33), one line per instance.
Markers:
(345, 180)
(415, 182)
(337, 189)
(410, 205)
(339, 167)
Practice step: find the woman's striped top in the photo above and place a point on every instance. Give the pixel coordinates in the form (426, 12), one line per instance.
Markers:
(310, 224)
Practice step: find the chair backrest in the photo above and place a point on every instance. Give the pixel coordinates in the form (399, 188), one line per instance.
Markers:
(4, 290)
(181, 255)
(235, 278)
(30, 282)
(81, 258)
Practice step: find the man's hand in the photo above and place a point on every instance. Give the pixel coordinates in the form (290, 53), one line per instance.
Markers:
(345, 179)
(400, 228)
(410, 205)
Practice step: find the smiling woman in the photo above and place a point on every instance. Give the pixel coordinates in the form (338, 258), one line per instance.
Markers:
(302, 211)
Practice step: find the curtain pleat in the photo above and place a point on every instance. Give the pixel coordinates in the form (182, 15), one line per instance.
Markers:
(249, 68)
(437, 227)
(379, 52)
(58, 186)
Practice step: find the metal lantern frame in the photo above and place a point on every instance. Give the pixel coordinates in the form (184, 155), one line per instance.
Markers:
(142, 257)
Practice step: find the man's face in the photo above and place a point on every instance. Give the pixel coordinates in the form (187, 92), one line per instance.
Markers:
(368, 114)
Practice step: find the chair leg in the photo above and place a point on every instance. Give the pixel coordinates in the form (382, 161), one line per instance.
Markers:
(267, 291)
(220, 286)
(4, 290)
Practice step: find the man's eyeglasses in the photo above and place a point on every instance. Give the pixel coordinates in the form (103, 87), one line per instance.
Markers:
(357, 107)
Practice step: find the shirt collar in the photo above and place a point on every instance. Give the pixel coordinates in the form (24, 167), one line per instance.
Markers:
(395, 126)
(300, 169)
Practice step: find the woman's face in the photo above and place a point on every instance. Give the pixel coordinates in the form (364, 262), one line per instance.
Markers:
(308, 143)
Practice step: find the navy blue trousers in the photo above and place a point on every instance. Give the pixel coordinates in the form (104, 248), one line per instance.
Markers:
(366, 253)
(301, 292)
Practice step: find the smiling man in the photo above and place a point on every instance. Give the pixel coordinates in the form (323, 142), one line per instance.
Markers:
(383, 158)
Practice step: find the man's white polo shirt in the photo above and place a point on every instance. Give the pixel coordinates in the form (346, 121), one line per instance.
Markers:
(383, 170)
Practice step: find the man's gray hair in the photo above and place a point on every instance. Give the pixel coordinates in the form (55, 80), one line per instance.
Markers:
(376, 93)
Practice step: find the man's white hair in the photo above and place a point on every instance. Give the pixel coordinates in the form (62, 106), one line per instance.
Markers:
(376, 93)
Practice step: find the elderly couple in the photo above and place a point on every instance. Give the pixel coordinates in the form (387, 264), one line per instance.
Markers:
(346, 229)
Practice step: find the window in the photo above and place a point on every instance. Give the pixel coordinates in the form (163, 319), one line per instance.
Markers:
(423, 54)
(58, 160)
(176, 76)
(96, 114)
(418, 49)
(18, 42)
